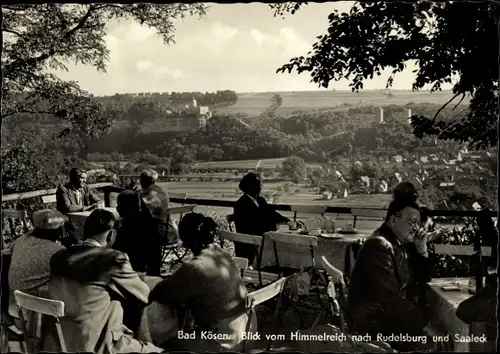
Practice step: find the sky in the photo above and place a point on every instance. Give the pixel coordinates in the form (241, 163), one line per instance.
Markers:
(235, 47)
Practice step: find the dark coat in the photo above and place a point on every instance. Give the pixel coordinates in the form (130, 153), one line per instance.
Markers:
(92, 281)
(155, 202)
(256, 220)
(66, 198)
(383, 285)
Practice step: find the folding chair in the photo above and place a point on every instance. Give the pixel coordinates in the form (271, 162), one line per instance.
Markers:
(41, 306)
(303, 240)
(249, 274)
(294, 239)
(174, 248)
(336, 295)
(262, 295)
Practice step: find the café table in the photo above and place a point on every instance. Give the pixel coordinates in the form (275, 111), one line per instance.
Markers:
(442, 308)
(332, 246)
(78, 218)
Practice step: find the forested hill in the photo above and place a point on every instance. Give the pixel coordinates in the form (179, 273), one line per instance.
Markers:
(314, 136)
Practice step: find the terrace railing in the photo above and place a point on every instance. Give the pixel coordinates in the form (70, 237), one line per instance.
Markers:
(109, 188)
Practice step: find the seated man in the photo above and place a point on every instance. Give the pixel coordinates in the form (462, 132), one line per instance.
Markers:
(163, 232)
(29, 269)
(386, 278)
(76, 195)
(253, 216)
(87, 277)
(133, 237)
(73, 197)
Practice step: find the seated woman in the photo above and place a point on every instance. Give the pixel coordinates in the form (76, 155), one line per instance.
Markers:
(386, 278)
(29, 269)
(253, 216)
(209, 286)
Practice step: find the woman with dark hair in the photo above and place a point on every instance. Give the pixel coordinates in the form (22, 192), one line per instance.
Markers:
(253, 216)
(211, 288)
(386, 277)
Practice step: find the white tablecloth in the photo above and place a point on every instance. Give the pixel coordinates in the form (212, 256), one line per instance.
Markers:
(298, 256)
(443, 307)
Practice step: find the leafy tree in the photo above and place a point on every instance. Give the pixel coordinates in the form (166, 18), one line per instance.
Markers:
(294, 168)
(446, 40)
(38, 38)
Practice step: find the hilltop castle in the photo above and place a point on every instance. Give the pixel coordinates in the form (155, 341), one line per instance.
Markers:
(187, 116)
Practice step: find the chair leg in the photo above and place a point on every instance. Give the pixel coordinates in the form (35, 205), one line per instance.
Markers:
(60, 337)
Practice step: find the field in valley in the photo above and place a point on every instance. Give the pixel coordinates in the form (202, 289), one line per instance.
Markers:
(253, 104)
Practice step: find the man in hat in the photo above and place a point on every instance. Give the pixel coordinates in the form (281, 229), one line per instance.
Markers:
(93, 280)
(29, 269)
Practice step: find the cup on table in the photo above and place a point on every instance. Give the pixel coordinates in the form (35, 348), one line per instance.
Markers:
(315, 232)
(283, 228)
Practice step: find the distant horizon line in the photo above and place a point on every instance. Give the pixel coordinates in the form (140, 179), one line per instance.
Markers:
(286, 91)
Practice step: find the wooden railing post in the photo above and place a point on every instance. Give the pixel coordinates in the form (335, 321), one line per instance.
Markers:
(107, 197)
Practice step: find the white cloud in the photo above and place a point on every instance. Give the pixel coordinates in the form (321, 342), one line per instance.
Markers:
(223, 34)
(148, 67)
(138, 33)
(287, 40)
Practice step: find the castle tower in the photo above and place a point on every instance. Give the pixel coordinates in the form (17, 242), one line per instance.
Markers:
(409, 115)
(195, 103)
(381, 115)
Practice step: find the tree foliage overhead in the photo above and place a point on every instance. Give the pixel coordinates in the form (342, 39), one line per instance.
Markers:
(44, 37)
(451, 42)
(38, 40)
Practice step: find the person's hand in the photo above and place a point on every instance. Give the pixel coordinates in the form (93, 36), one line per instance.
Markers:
(421, 239)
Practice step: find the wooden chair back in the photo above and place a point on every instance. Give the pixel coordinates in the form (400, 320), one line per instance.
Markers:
(307, 209)
(294, 239)
(39, 305)
(244, 238)
(367, 213)
(262, 295)
(49, 199)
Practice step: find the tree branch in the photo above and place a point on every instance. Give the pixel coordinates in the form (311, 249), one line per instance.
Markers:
(463, 96)
(81, 23)
(12, 31)
(443, 107)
